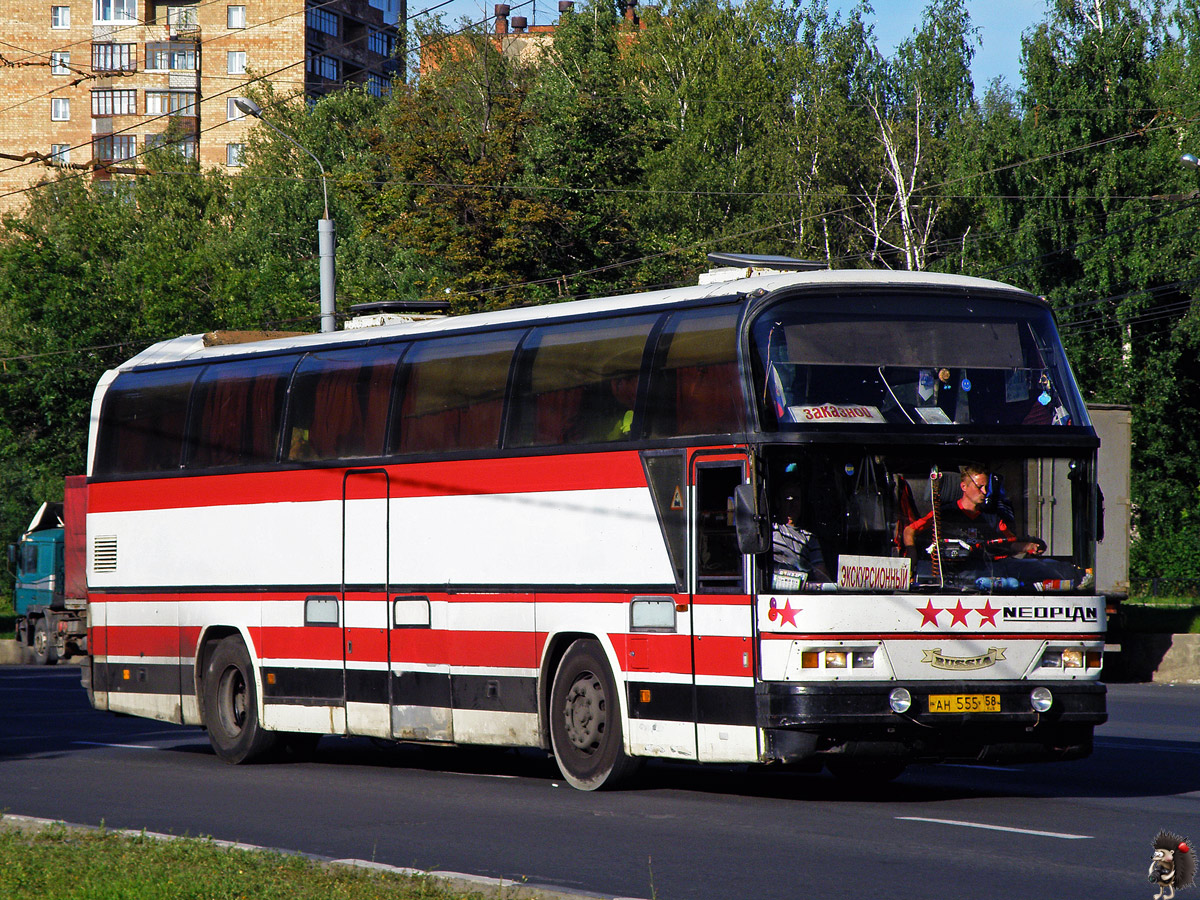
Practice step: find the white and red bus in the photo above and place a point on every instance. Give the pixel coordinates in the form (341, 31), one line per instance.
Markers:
(559, 527)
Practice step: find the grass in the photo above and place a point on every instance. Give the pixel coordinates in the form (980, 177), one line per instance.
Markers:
(59, 863)
(1161, 615)
(8, 617)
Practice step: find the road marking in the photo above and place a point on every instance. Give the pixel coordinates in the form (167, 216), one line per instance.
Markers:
(977, 768)
(119, 746)
(1053, 834)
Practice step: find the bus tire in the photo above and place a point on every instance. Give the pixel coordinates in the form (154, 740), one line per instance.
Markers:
(44, 650)
(585, 720)
(231, 705)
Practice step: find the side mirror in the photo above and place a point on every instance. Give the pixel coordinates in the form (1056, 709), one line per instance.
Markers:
(752, 532)
(12, 555)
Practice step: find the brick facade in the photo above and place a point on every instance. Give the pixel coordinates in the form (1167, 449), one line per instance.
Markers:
(105, 88)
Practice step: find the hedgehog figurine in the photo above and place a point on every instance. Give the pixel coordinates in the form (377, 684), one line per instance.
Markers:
(1172, 866)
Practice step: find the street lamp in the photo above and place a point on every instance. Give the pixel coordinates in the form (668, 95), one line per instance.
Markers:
(1189, 159)
(325, 237)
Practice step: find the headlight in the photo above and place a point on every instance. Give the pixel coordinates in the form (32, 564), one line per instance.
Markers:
(835, 659)
(864, 659)
(900, 700)
(1041, 699)
(1073, 659)
(1052, 659)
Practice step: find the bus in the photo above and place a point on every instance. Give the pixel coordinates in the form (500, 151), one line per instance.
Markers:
(787, 515)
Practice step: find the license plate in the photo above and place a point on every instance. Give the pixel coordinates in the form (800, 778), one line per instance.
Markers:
(964, 703)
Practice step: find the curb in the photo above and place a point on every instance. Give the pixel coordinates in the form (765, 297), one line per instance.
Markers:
(457, 881)
(14, 653)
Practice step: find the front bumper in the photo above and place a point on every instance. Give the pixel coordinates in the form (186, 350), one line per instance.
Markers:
(806, 720)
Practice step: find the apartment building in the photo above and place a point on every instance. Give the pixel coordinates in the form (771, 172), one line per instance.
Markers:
(91, 84)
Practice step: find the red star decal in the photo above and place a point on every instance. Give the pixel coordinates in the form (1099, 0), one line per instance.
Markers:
(958, 614)
(987, 614)
(929, 614)
(787, 615)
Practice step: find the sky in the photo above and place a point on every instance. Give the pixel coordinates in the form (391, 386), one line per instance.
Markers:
(1000, 26)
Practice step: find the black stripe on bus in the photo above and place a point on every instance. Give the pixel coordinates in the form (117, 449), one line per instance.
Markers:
(713, 704)
(143, 678)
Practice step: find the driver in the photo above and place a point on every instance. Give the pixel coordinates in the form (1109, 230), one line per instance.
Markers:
(973, 521)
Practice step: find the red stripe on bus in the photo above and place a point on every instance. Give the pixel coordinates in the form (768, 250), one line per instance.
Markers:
(937, 636)
(592, 471)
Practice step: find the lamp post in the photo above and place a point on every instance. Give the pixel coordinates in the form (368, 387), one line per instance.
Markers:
(1189, 159)
(325, 235)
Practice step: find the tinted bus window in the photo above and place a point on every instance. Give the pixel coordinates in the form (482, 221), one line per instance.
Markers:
(453, 394)
(142, 427)
(940, 359)
(236, 412)
(580, 382)
(338, 405)
(695, 388)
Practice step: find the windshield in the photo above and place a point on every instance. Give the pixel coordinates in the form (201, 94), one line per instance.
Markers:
(857, 519)
(909, 359)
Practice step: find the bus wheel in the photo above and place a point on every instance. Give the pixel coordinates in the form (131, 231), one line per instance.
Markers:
(44, 650)
(585, 720)
(231, 705)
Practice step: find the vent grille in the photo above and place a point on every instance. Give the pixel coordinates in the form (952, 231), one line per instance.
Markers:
(104, 553)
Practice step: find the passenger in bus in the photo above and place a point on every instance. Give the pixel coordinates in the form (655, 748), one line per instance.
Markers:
(981, 519)
(796, 556)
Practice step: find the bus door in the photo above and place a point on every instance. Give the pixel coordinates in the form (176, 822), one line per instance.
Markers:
(365, 613)
(722, 617)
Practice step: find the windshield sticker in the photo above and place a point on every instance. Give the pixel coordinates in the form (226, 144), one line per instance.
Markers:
(925, 385)
(874, 573)
(933, 415)
(835, 412)
(1016, 386)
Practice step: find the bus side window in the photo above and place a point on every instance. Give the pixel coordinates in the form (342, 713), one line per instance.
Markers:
(453, 394)
(236, 412)
(719, 562)
(142, 427)
(337, 407)
(580, 383)
(695, 387)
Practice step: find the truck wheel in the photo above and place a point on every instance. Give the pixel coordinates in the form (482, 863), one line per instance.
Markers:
(44, 650)
(231, 705)
(585, 720)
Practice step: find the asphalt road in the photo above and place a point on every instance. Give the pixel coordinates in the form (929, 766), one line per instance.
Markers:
(1080, 829)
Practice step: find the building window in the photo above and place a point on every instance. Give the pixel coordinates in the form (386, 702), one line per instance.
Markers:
(235, 62)
(60, 109)
(60, 17)
(165, 56)
(323, 66)
(378, 85)
(235, 17)
(233, 155)
(185, 146)
(110, 102)
(232, 112)
(114, 147)
(379, 42)
(322, 20)
(114, 57)
(60, 62)
(60, 154)
(183, 17)
(175, 103)
(115, 10)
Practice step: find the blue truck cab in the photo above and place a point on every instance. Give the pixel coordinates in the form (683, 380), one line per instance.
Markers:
(49, 588)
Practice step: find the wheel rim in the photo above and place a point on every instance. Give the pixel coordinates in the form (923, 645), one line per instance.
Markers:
(232, 700)
(41, 641)
(584, 713)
